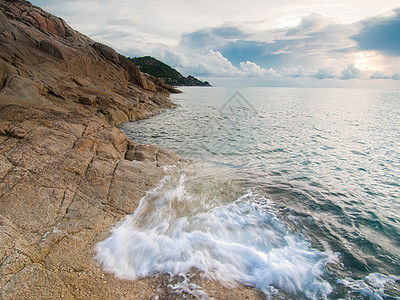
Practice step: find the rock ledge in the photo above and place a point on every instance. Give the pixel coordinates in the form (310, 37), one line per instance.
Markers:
(66, 174)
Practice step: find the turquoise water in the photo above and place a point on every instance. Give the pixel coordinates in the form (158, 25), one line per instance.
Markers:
(296, 191)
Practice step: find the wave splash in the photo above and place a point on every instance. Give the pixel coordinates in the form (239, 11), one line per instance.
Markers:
(242, 241)
(372, 286)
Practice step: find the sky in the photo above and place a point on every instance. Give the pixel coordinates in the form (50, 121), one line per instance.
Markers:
(258, 43)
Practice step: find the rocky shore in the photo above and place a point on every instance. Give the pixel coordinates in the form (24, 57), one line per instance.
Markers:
(67, 175)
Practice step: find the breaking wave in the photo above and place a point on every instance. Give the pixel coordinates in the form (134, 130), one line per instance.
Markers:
(236, 241)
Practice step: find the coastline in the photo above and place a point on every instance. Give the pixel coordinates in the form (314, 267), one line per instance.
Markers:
(67, 174)
(114, 184)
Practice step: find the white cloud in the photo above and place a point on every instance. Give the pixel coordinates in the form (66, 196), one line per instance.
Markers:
(209, 64)
(350, 72)
(325, 73)
(378, 75)
(278, 38)
(293, 72)
(164, 22)
(396, 76)
(314, 41)
(252, 69)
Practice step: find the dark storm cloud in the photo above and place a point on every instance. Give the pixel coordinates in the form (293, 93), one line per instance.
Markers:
(381, 34)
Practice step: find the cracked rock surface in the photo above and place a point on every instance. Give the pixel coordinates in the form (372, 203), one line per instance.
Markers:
(63, 185)
(67, 176)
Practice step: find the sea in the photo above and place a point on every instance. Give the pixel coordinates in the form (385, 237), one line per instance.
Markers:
(293, 191)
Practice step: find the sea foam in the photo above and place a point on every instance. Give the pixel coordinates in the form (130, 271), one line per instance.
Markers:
(372, 286)
(241, 241)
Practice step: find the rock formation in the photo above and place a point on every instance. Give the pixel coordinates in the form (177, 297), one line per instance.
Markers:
(66, 174)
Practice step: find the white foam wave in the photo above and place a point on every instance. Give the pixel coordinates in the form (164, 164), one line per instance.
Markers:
(373, 286)
(244, 241)
(189, 288)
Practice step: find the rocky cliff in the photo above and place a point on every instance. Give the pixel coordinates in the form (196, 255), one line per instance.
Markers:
(46, 64)
(66, 174)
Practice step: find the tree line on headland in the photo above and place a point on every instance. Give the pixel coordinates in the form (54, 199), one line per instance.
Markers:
(169, 75)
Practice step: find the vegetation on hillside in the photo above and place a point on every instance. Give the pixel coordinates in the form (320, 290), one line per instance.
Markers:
(169, 75)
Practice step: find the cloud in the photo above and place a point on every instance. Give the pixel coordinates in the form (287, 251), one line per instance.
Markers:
(350, 72)
(315, 40)
(325, 73)
(378, 75)
(243, 50)
(210, 38)
(311, 24)
(381, 33)
(212, 63)
(293, 72)
(396, 76)
(250, 69)
(279, 54)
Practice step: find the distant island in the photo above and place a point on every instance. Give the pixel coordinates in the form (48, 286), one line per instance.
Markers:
(169, 75)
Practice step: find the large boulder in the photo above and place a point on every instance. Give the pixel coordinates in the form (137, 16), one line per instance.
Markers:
(106, 51)
(51, 49)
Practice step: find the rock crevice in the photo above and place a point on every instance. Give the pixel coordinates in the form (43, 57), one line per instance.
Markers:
(64, 179)
(67, 176)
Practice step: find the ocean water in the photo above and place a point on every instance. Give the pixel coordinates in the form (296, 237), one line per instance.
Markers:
(294, 191)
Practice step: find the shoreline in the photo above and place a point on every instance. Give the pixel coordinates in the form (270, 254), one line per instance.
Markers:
(67, 174)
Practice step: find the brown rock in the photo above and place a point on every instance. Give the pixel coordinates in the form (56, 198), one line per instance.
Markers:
(166, 157)
(130, 182)
(115, 136)
(5, 166)
(4, 24)
(61, 164)
(106, 51)
(34, 282)
(146, 153)
(23, 91)
(30, 207)
(66, 175)
(87, 100)
(80, 81)
(16, 131)
(48, 22)
(134, 74)
(51, 49)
